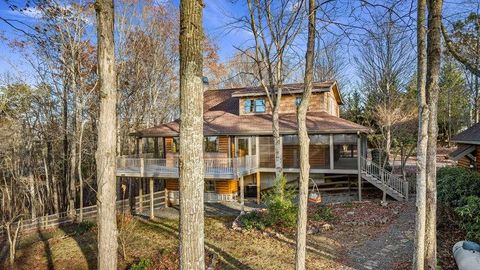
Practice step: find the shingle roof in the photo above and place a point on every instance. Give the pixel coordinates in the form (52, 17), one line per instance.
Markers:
(469, 136)
(221, 117)
(461, 151)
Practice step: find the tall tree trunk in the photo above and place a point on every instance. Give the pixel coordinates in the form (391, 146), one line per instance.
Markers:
(65, 175)
(304, 142)
(434, 51)
(191, 180)
(105, 155)
(73, 153)
(277, 140)
(419, 252)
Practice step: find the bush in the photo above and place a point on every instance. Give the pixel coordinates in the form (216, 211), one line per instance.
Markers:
(126, 225)
(142, 264)
(459, 188)
(455, 184)
(253, 220)
(282, 210)
(470, 214)
(84, 226)
(323, 213)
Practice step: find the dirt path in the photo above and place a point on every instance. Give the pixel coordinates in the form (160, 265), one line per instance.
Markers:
(391, 249)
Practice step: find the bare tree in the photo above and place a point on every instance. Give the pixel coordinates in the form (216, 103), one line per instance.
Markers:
(106, 148)
(274, 26)
(191, 181)
(304, 141)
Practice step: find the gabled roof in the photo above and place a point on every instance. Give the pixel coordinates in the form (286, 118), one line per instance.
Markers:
(469, 136)
(461, 151)
(221, 117)
(290, 89)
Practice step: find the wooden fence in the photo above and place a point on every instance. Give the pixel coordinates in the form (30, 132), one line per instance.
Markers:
(90, 212)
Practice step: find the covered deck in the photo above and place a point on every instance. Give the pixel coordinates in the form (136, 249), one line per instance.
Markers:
(215, 168)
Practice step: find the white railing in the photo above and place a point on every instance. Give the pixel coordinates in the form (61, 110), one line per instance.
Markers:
(209, 197)
(214, 167)
(385, 177)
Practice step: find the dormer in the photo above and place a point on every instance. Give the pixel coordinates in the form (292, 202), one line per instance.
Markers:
(325, 98)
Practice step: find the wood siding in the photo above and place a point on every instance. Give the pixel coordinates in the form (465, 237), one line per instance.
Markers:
(171, 184)
(477, 152)
(319, 102)
(226, 186)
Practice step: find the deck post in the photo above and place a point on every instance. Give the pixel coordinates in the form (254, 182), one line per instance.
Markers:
(140, 195)
(359, 166)
(242, 195)
(258, 187)
(152, 215)
(331, 152)
(167, 200)
(142, 167)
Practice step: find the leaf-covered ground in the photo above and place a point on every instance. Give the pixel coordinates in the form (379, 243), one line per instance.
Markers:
(362, 236)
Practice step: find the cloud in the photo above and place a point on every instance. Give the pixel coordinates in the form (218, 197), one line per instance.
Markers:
(30, 12)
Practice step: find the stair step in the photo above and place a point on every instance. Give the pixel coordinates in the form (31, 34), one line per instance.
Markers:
(378, 183)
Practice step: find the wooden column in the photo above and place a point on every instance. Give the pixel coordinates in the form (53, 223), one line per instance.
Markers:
(331, 153)
(359, 146)
(140, 195)
(152, 215)
(258, 187)
(242, 195)
(156, 148)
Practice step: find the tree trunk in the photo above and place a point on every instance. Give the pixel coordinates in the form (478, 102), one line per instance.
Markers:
(434, 51)
(277, 141)
(105, 155)
(191, 179)
(304, 142)
(419, 249)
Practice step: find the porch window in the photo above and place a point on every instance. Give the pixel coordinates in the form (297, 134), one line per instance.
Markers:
(291, 151)
(176, 145)
(319, 151)
(345, 151)
(210, 144)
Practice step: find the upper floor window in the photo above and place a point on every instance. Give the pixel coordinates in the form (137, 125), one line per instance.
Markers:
(210, 143)
(254, 105)
(298, 100)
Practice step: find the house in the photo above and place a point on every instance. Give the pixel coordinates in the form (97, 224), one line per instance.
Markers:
(239, 148)
(467, 153)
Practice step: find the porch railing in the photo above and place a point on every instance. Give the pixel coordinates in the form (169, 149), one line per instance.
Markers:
(214, 167)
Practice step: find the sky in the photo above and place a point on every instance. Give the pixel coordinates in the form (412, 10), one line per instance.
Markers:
(218, 18)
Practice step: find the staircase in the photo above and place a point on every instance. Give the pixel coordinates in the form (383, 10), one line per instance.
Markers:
(393, 185)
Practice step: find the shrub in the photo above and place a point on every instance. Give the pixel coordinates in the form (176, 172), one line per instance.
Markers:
(323, 213)
(459, 188)
(282, 210)
(142, 264)
(84, 226)
(455, 184)
(253, 220)
(470, 214)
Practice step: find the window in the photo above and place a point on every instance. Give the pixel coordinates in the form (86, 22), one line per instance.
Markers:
(210, 144)
(297, 101)
(248, 106)
(254, 105)
(260, 105)
(176, 145)
(209, 186)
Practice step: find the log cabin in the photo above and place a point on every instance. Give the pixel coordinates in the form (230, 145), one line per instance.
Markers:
(239, 148)
(467, 154)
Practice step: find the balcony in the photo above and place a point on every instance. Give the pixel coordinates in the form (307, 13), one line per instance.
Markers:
(215, 168)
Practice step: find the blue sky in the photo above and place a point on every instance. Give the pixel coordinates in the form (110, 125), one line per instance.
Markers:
(218, 14)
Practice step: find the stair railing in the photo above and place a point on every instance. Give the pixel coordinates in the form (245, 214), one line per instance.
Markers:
(384, 176)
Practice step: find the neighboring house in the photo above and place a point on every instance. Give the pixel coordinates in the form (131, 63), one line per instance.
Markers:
(468, 152)
(239, 149)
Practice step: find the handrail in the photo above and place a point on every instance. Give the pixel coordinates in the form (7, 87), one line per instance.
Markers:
(212, 166)
(385, 177)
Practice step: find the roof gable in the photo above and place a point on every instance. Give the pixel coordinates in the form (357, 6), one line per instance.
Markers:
(469, 136)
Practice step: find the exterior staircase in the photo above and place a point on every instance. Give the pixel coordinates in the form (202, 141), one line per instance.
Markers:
(391, 184)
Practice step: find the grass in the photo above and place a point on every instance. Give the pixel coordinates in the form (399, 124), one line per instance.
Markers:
(71, 248)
